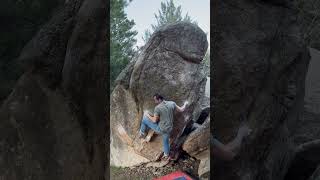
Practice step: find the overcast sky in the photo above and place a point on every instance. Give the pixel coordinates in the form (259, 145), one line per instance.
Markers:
(142, 12)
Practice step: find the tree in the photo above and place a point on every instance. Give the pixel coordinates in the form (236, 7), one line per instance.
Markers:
(168, 13)
(122, 39)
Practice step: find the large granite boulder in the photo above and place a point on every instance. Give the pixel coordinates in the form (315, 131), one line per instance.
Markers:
(53, 123)
(168, 64)
(260, 64)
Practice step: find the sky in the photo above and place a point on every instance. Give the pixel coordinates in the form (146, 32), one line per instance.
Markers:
(142, 12)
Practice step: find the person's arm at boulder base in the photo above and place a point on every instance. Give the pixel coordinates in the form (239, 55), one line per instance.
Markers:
(229, 151)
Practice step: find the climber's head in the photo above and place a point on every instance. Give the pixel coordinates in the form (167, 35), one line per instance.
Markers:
(157, 98)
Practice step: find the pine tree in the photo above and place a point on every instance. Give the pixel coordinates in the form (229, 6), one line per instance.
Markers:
(122, 39)
(168, 13)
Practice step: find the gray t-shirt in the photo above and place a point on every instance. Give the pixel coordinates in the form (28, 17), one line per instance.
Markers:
(165, 111)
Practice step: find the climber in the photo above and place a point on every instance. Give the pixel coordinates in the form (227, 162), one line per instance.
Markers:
(161, 121)
(229, 151)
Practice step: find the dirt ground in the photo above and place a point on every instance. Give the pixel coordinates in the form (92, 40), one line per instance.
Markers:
(185, 163)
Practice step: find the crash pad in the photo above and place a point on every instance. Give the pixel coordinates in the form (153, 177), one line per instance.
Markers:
(177, 175)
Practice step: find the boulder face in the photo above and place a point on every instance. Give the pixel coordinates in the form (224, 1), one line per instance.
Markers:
(168, 64)
(260, 64)
(53, 123)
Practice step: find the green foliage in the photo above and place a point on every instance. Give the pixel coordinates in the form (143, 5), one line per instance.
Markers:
(168, 13)
(122, 39)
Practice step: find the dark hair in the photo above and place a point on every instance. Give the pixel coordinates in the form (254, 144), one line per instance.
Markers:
(158, 96)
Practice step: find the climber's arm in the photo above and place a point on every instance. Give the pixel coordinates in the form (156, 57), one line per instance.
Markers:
(156, 116)
(182, 108)
(230, 150)
(222, 151)
(153, 118)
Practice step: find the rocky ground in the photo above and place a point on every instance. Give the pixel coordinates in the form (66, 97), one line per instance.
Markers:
(185, 163)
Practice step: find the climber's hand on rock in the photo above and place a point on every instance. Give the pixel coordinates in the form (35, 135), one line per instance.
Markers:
(146, 113)
(244, 130)
(186, 103)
